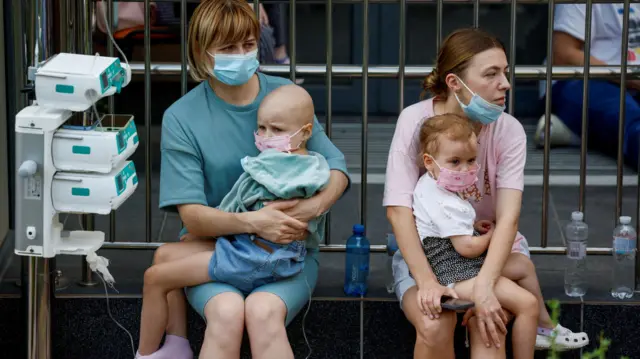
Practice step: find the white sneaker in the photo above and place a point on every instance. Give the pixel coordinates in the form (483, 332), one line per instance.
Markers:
(561, 135)
(565, 340)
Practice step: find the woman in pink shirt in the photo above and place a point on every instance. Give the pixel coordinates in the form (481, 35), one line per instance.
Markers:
(470, 78)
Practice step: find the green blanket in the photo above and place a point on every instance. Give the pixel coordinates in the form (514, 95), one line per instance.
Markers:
(274, 175)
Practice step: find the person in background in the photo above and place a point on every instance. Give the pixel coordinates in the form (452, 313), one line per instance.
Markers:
(604, 95)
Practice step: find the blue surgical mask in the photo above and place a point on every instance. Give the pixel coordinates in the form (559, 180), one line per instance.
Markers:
(235, 69)
(479, 109)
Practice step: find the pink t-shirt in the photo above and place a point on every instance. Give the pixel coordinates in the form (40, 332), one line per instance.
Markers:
(502, 152)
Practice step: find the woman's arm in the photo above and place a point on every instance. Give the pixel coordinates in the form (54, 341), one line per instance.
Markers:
(508, 206)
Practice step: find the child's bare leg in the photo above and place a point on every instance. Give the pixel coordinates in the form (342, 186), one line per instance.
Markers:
(479, 350)
(177, 322)
(520, 269)
(523, 305)
(159, 280)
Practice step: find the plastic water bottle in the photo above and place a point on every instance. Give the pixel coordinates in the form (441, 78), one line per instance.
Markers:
(624, 257)
(357, 263)
(392, 248)
(576, 233)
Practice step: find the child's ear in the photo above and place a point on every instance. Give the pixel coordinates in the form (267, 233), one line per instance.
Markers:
(427, 161)
(307, 131)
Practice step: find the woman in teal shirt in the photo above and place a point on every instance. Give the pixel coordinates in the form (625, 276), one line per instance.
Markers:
(204, 136)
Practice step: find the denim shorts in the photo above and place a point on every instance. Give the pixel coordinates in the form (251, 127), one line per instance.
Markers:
(246, 265)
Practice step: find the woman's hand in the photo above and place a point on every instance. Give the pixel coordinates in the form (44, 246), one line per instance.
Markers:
(491, 317)
(304, 210)
(483, 226)
(429, 296)
(272, 224)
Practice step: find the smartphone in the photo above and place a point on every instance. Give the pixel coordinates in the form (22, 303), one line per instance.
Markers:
(455, 304)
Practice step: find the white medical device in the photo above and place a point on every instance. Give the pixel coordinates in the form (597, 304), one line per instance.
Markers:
(62, 170)
(75, 82)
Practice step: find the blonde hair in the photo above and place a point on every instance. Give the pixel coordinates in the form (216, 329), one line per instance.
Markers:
(454, 56)
(216, 23)
(455, 127)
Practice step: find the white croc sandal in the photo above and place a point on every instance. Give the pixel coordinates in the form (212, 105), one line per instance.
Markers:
(565, 340)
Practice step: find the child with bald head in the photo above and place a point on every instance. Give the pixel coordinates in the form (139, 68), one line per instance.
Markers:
(283, 170)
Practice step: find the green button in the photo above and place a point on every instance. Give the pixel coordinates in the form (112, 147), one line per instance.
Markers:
(68, 89)
(81, 150)
(82, 192)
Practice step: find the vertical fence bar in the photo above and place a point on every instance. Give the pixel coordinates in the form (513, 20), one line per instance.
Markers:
(293, 49)
(37, 270)
(439, 14)
(329, 89)
(623, 93)
(147, 116)
(112, 110)
(547, 128)
(365, 109)
(512, 55)
(585, 105)
(365, 121)
(402, 53)
(476, 13)
(256, 9)
(84, 43)
(183, 47)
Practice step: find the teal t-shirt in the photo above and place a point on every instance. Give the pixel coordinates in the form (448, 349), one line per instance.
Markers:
(204, 139)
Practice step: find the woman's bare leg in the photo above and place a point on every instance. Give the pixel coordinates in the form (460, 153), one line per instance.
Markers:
(434, 337)
(265, 315)
(225, 326)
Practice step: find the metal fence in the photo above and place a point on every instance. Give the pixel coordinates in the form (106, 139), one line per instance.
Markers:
(34, 24)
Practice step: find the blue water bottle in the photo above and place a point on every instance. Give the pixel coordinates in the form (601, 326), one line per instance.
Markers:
(357, 263)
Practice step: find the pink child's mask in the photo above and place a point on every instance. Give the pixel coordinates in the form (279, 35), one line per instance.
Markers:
(456, 181)
(281, 143)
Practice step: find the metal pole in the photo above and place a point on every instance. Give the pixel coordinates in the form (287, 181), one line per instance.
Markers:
(329, 89)
(84, 45)
(38, 271)
(623, 93)
(39, 308)
(147, 116)
(476, 13)
(293, 49)
(365, 110)
(112, 108)
(439, 15)
(525, 72)
(547, 127)
(402, 53)
(512, 55)
(585, 107)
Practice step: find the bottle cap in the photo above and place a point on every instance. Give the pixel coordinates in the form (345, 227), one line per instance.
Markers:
(577, 216)
(392, 244)
(625, 219)
(358, 229)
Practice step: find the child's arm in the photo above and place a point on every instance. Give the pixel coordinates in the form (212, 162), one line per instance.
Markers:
(472, 246)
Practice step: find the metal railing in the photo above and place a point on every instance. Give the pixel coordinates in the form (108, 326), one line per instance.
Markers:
(74, 33)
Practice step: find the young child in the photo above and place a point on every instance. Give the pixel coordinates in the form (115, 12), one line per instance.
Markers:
(283, 170)
(445, 223)
(448, 147)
